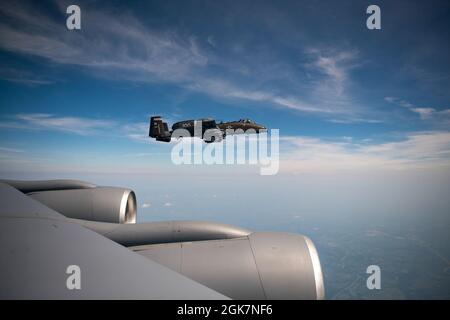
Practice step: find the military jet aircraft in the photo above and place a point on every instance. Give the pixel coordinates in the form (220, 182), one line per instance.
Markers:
(207, 129)
(67, 239)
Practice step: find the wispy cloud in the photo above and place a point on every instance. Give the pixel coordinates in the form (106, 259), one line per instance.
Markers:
(23, 77)
(11, 150)
(42, 121)
(139, 132)
(134, 131)
(117, 44)
(331, 79)
(354, 120)
(298, 154)
(399, 102)
(334, 65)
(415, 150)
(124, 48)
(224, 89)
(425, 113)
(326, 90)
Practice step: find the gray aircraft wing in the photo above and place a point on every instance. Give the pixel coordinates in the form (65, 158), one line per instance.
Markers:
(49, 229)
(38, 244)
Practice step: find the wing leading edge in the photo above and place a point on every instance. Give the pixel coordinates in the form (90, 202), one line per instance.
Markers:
(38, 244)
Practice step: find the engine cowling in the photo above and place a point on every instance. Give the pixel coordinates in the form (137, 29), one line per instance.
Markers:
(262, 265)
(105, 204)
(230, 260)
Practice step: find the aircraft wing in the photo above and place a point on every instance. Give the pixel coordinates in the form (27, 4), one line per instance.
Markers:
(52, 231)
(37, 244)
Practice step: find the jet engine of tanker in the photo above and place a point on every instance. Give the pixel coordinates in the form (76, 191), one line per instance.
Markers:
(235, 262)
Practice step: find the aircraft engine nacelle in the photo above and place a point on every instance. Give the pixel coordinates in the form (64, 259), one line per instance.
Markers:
(213, 135)
(235, 262)
(262, 265)
(105, 204)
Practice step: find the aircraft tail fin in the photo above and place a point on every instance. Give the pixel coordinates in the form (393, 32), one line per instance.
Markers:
(159, 129)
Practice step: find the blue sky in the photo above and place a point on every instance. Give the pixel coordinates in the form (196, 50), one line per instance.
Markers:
(341, 95)
(364, 115)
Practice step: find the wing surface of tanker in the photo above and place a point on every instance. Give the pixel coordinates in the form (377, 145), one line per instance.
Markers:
(49, 227)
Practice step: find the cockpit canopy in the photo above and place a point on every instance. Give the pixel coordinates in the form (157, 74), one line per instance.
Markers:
(247, 121)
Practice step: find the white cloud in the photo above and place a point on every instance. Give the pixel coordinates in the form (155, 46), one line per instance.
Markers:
(399, 102)
(354, 120)
(425, 113)
(298, 155)
(145, 205)
(123, 48)
(390, 99)
(224, 89)
(329, 66)
(293, 103)
(335, 65)
(168, 204)
(10, 150)
(405, 104)
(416, 150)
(24, 77)
(119, 43)
(211, 41)
(137, 131)
(42, 121)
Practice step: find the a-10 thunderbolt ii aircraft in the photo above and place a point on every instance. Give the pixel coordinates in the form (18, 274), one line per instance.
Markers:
(207, 129)
(66, 239)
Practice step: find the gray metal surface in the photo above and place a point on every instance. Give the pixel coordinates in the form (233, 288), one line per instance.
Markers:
(262, 265)
(106, 204)
(226, 266)
(164, 232)
(37, 245)
(290, 256)
(318, 276)
(44, 185)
